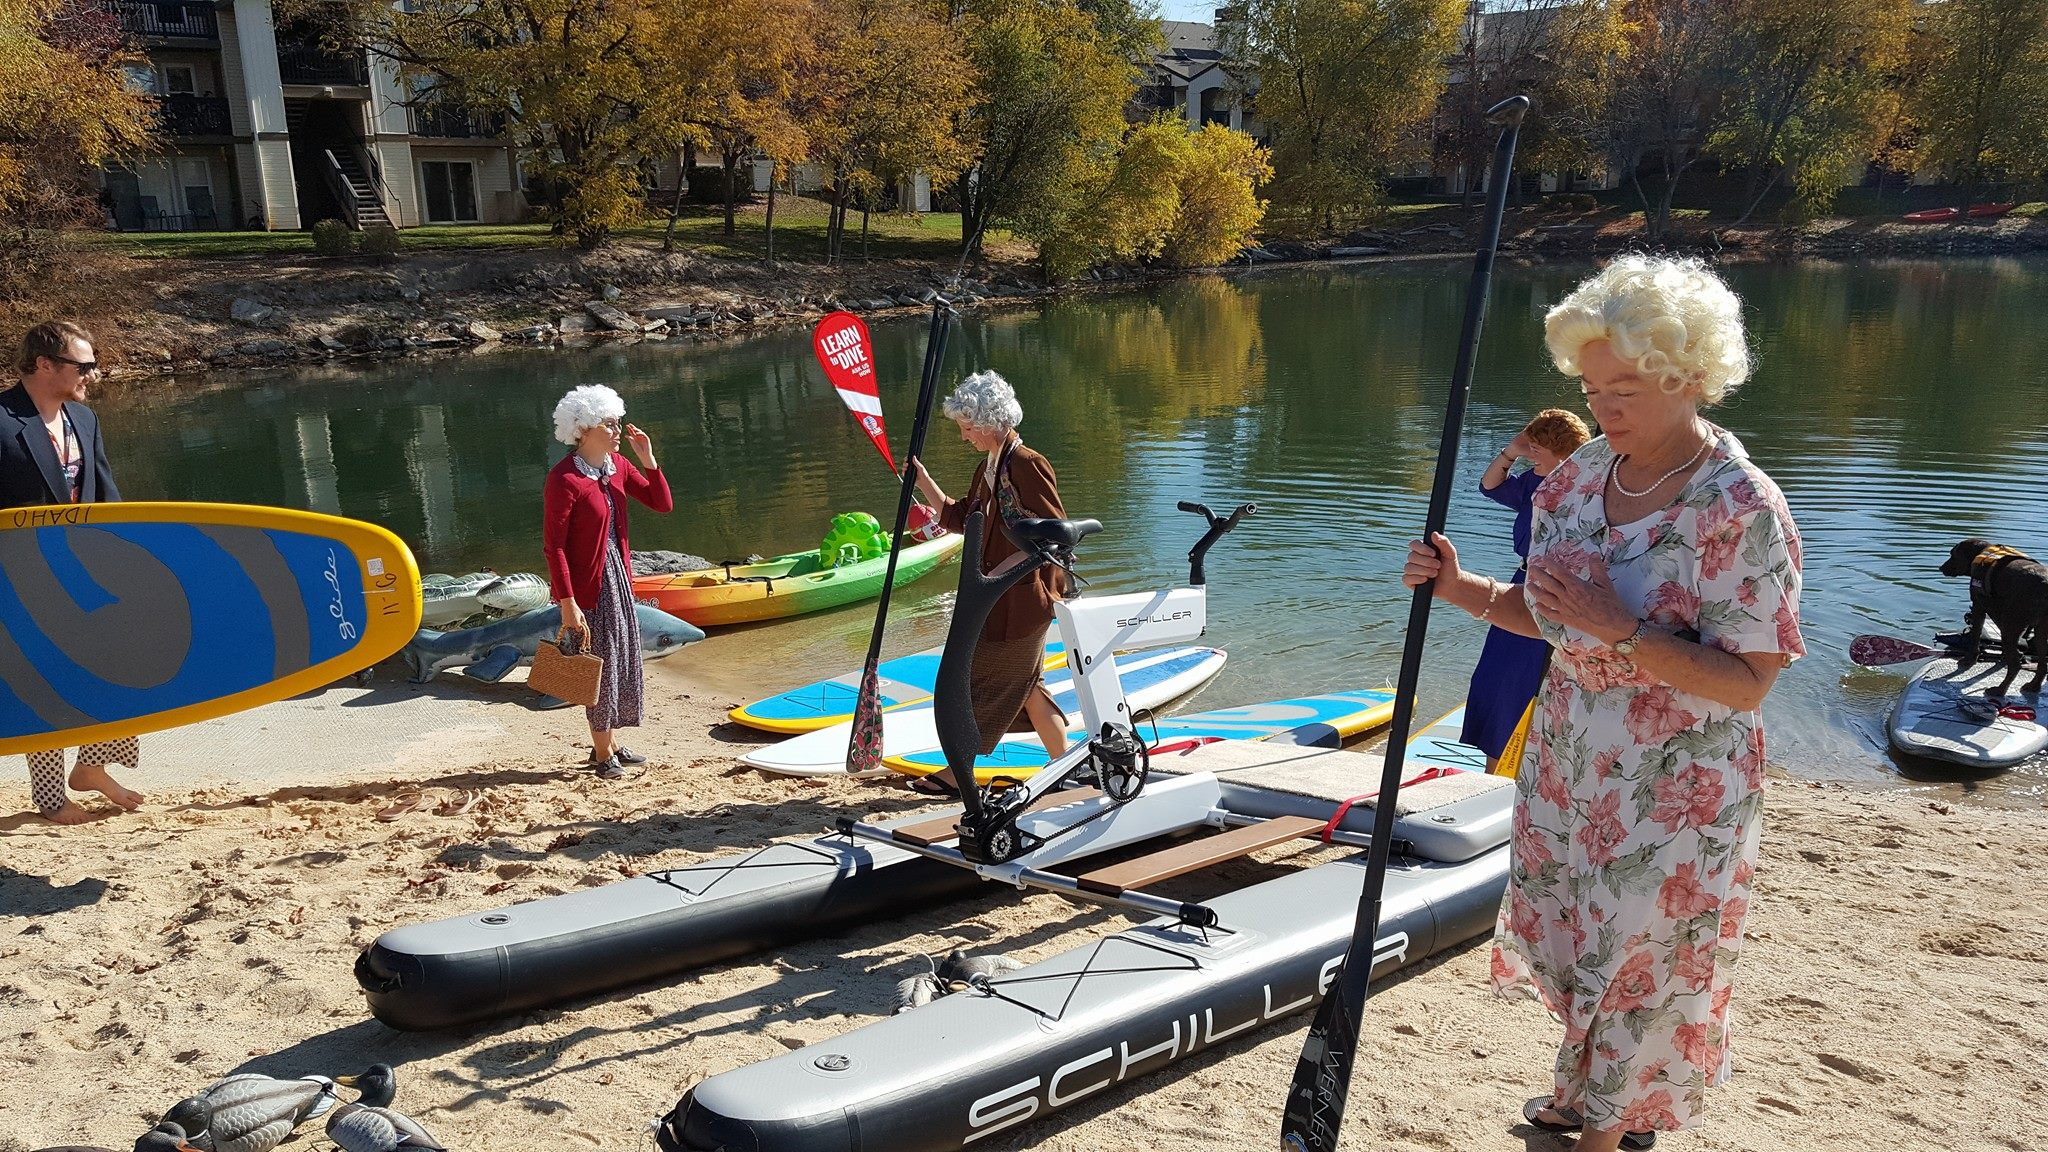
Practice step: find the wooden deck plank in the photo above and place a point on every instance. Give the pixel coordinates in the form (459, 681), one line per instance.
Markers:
(940, 829)
(1191, 855)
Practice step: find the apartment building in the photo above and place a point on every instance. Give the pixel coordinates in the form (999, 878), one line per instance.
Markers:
(266, 128)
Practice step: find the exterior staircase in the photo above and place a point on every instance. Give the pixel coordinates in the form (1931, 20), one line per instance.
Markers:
(369, 210)
(341, 167)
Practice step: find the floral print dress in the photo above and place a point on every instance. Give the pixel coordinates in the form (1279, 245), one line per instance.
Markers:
(1637, 804)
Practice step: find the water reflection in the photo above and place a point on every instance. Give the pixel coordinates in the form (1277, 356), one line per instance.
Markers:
(1897, 403)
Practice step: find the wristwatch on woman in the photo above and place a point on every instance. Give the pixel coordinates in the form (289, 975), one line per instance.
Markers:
(1626, 646)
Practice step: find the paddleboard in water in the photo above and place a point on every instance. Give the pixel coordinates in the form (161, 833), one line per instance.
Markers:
(1946, 714)
(121, 619)
(1150, 680)
(1325, 721)
(905, 681)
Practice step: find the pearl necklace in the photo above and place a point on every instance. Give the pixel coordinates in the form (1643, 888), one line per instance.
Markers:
(1614, 472)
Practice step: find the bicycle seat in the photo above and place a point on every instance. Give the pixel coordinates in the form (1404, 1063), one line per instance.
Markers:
(1055, 533)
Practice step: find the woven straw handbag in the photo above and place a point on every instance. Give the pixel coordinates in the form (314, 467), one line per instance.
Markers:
(566, 674)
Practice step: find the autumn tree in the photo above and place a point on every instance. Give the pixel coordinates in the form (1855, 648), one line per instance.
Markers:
(1183, 198)
(1120, 210)
(1220, 208)
(1978, 108)
(892, 82)
(1558, 53)
(65, 111)
(722, 77)
(1046, 114)
(565, 74)
(1342, 86)
(1810, 92)
(1662, 95)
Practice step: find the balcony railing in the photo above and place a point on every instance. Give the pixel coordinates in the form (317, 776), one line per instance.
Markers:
(299, 62)
(183, 114)
(455, 121)
(184, 19)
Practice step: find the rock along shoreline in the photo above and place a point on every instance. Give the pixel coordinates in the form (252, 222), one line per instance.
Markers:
(220, 315)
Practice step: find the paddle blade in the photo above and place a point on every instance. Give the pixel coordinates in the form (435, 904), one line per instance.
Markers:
(864, 746)
(1322, 1076)
(844, 351)
(1875, 651)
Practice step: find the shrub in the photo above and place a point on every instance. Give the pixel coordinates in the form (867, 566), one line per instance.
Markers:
(1571, 202)
(331, 238)
(380, 240)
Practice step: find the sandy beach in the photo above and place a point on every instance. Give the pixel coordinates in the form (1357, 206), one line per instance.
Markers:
(1894, 992)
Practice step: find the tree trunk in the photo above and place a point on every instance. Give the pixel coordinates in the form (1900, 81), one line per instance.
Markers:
(863, 229)
(771, 218)
(971, 212)
(1635, 180)
(675, 209)
(1766, 191)
(731, 159)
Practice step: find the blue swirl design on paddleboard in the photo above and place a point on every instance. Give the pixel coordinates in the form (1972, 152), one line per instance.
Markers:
(113, 622)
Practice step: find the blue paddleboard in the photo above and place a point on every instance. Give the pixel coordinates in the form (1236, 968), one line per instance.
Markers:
(904, 681)
(121, 619)
(1311, 720)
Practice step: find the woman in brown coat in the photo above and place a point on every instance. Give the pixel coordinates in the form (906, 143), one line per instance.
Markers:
(1009, 680)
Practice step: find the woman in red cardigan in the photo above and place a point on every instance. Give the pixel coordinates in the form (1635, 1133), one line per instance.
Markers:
(590, 571)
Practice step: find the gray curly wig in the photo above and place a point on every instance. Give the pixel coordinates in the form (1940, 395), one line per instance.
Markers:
(985, 400)
(585, 408)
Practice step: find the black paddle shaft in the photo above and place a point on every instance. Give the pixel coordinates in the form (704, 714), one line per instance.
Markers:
(867, 707)
(1322, 1078)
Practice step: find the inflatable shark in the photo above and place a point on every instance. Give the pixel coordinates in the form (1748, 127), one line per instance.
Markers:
(491, 651)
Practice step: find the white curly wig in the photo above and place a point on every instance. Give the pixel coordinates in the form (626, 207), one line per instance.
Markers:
(1673, 318)
(985, 400)
(585, 408)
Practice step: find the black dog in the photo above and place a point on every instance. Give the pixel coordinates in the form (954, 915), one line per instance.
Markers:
(2012, 590)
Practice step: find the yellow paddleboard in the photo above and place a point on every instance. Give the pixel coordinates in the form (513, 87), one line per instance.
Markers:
(122, 619)
(1510, 760)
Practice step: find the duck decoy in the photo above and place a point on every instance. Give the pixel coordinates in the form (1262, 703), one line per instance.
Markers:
(370, 1124)
(961, 969)
(917, 991)
(165, 1137)
(250, 1112)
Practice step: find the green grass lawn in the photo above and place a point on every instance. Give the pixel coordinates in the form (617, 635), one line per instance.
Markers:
(799, 235)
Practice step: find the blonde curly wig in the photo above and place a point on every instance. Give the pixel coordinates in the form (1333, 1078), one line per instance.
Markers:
(1673, 318)
(585, 408)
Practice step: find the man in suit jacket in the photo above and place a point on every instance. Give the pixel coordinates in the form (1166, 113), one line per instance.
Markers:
(51, 453)
(50, 447)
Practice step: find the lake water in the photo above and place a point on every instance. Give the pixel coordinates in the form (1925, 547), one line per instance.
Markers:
(1900, 405)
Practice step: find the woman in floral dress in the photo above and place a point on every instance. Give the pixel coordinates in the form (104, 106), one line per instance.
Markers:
(1664, 571)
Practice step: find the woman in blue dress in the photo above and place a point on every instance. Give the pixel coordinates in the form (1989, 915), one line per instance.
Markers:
(1511, 666)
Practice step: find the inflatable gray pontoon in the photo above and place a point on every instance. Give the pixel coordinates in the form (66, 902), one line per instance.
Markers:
(985, 1060)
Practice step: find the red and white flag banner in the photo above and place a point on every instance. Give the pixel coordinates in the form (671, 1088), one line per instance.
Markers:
(848, 357)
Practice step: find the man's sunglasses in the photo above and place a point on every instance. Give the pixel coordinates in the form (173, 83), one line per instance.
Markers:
(85, 367)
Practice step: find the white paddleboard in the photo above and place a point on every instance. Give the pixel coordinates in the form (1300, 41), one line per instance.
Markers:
(1150, 680)
(1946, 714)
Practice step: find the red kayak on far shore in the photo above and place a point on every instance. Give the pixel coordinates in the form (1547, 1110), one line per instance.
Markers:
(1943, 215)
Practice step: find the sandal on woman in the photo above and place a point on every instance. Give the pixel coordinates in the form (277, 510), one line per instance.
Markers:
(1569, 1120)
(627, 756)
(932, 786)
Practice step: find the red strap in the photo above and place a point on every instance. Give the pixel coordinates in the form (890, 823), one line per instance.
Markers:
(1186, 745)
(1344, 809)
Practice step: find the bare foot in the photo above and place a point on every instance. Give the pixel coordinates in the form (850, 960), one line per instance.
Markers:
(95, 778)
(69, 814)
